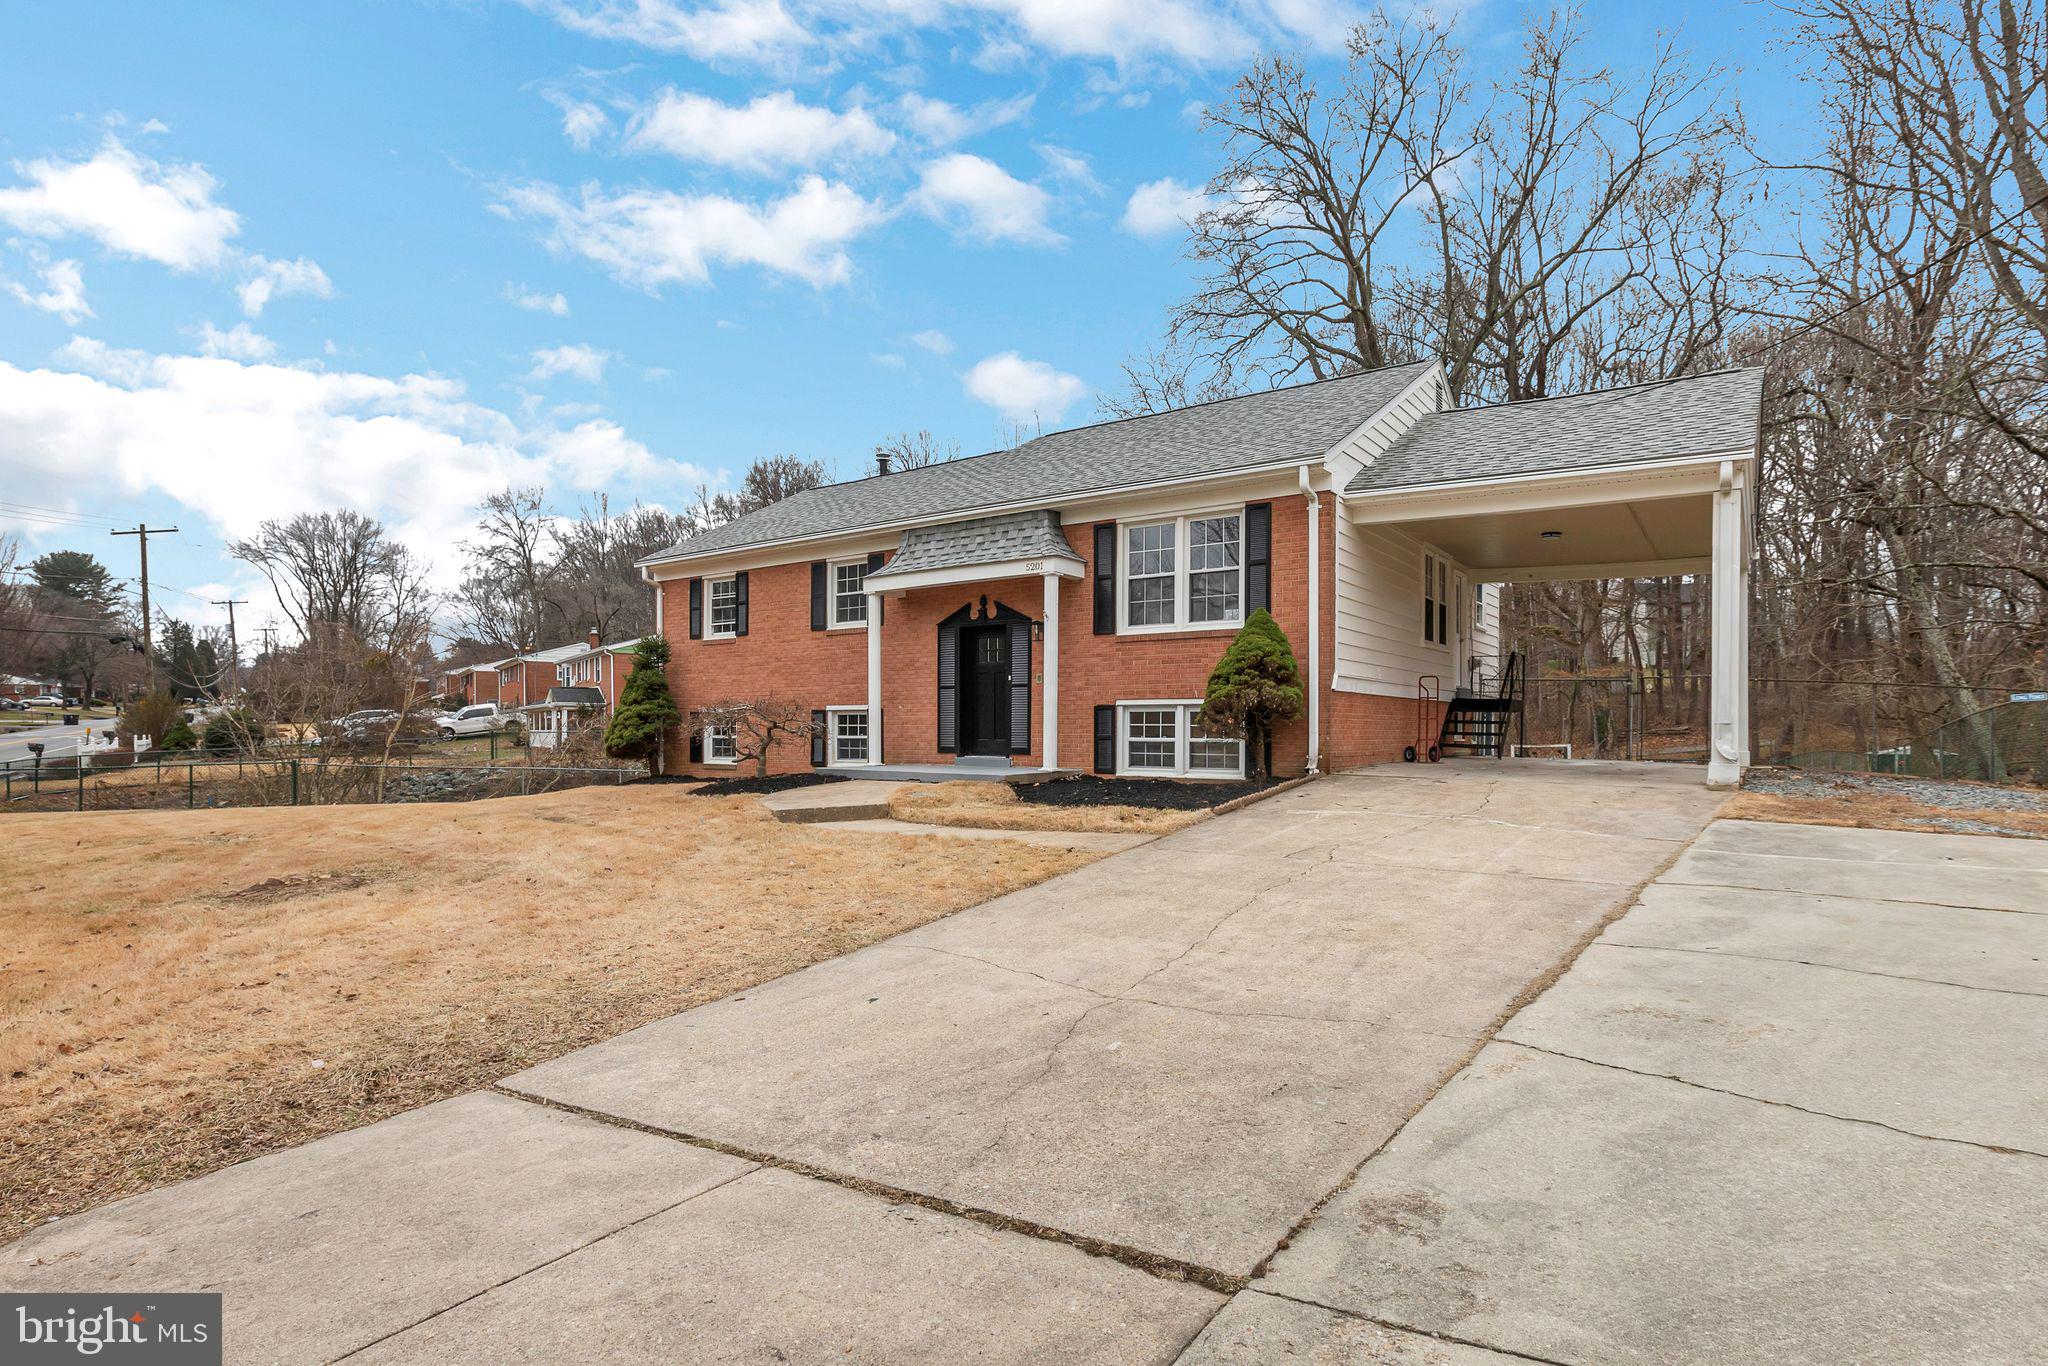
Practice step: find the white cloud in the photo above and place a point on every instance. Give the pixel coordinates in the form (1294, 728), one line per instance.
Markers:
(725, 30)
(650, 238)
(1164, 206)
(1069, 167)
(63, 291)
(578, 361)
(534, 302)
(582, 122)
(1024, 389)
(934, 341)
(270, 279)
(413, 450)
(240, 342)
(980, 200)
(772, 132)
(941, 123)
(127, 203)
(888, 360)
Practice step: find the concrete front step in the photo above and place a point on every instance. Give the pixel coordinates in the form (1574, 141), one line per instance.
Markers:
(859, 800)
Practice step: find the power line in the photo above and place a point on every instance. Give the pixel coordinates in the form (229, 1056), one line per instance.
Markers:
(143, 531)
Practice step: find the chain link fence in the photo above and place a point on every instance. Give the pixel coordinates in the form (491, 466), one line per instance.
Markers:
(90, 783)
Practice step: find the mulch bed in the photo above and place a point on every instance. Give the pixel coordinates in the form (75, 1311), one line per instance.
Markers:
(755, 787)
(1164, 794)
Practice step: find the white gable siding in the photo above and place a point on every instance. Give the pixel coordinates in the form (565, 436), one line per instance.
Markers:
(1426, 395)
(1486, 629)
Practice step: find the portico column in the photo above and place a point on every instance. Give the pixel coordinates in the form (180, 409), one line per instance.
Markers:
(1728, 673)
(1049, 719)
(874, 678)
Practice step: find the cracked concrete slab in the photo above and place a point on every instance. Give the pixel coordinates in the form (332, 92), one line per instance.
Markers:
(1572, 1212)
(1994, 949)
(1986, 888)
(321, 1249)
(1933, 1059)
(1255, 1329)
(1876, 846)
(1179, 1049)
(776, 1267)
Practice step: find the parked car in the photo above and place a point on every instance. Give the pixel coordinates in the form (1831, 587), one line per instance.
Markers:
(371, 726)
(47, 700)
(477, 719)
(10, 704)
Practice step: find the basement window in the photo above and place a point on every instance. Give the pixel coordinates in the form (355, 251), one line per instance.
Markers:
(850, 736)
(1167, 740)
(719, 747)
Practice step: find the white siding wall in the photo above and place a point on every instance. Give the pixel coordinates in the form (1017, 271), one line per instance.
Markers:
(1486, 631)
(1380, 648)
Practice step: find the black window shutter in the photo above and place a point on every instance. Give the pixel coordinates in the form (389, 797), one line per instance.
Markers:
(696, 609)
(1020, 687)
(818, 742)
(949, 689)
(874, 605)
(696, 746)
(1258, 557)
(875, 561)
(818, 573)
(1105, 739)
(1105, 578)
(739, 594)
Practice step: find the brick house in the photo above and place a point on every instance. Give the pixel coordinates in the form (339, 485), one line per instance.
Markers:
(1059, 606)
(588, 679)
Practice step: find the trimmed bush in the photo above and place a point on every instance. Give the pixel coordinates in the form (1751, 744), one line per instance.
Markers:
(646, 708)
(1254, 686)
(179, 736)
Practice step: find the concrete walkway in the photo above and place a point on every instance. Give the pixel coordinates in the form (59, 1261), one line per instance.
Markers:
(1064, 1125)
(1789, 1108)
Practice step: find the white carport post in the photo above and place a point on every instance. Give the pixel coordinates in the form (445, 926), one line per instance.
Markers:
(1049, 719)
(1728, 741)
(874, 678)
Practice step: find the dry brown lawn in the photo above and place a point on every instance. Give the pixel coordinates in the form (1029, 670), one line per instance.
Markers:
(1877, 811)
(180, 990)
(994, 806)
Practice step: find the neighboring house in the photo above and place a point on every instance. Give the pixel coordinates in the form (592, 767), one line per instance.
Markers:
(477, 683)
(588, 681)
(1060, 605)
(524, 680)
(16, 687)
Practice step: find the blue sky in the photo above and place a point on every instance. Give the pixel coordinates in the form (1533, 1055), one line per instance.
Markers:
(392, 255)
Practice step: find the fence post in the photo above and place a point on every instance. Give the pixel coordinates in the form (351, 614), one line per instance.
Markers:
(494, 747)
(295, 782)
(188, 785)
(81, 781)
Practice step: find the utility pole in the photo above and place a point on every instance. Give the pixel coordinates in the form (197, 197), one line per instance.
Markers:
(143, 531)
(234, 647)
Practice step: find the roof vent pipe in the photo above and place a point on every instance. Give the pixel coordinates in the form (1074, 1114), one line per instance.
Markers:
(882, 461)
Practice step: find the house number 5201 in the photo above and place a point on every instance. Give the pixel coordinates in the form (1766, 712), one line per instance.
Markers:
(1034, 566)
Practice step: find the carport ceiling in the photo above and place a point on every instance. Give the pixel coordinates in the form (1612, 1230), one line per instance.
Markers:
(1637, 532)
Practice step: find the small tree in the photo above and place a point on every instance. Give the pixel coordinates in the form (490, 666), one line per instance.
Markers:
(151, 716)
(1254, 686)
(230, 731)
(757, 726)
(646, 708)
(179, 736)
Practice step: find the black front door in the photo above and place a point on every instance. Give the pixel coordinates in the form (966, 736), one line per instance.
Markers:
(985, 690)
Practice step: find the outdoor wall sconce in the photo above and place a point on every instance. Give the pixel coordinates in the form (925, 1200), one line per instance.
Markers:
(1552, 535)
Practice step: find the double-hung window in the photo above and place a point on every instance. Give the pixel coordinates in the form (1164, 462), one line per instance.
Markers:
(1184, 572)
(849, 735)
(723, 601)
(1436, 599)
(718, 745)
(1167, 740)
(849, 593)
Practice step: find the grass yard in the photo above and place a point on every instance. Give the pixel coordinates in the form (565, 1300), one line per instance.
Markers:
(997, 806)
(183, 990)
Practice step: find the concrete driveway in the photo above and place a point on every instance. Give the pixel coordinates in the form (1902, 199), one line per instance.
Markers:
(1076, 1123)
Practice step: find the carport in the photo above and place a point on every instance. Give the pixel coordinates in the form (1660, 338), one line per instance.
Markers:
(1645, 482)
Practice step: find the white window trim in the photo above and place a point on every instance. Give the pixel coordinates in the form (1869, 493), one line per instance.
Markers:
(1185, 709)
(709, 731)
(709, 632)
(1182, 558)
(832, 621)
(832, 715)
(1432, 560)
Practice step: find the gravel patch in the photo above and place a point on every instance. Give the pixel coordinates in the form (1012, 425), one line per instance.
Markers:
(1935, 792)
(755, 787)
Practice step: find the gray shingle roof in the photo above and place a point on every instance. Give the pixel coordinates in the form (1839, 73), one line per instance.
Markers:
(984, 540)
(1665, 420)
(1301, 422)
(575, 697)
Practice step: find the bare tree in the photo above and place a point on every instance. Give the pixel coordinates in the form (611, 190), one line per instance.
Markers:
(511, 592)
(338, 575)
(757, 725)
(595, 555)
(915, 450)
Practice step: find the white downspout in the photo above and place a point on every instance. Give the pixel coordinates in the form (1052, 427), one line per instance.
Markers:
(1315, 623)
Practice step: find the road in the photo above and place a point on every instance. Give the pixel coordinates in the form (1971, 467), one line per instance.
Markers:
(56, 740)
